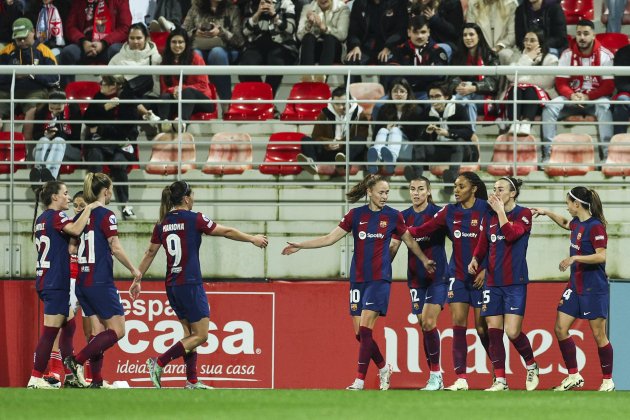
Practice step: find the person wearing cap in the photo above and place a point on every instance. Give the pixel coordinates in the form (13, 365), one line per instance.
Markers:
(10, 10)
(25, 50)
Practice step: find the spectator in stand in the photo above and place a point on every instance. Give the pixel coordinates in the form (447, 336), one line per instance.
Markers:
(391, 129)
(447, 122)
(530, 87)
(62, 123)
(323, 27)
(444, 17)
(546, 15)
(165, 15)
(621, 112)
(269, 28)
(376, 28)
(616, 9)
(586, 51)
(25, 50)
(217, 34)
(10, 10)
(474, 51)
(123, 129)
(179, 52)
(95, 31)
(335, 132)
(48, 22)
(496, 20)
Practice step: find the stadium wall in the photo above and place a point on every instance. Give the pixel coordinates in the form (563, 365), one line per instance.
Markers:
(281, 334)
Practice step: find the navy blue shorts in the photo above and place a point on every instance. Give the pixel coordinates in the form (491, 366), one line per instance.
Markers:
(189, 302)
(356, 294)
(56, 302)
(504, 300)
(464, 292)
(584, 306)
(376, 296)
(435, 294)
(103, 301)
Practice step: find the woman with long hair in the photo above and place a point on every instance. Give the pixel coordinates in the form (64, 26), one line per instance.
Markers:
(504, 242)
(179, 230)
(496, 20)
(587, 295)
(373, 226)
(461, 222)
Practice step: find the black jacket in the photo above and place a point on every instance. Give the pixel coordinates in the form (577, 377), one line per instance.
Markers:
(430, 55)
(554, 24)
(387, 112)
(446, 24)
(393, 24)
(123, 112)
(622, 58)
(67, 131)
(456, 131)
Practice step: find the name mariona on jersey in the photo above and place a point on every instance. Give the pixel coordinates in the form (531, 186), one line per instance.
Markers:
(172, 227)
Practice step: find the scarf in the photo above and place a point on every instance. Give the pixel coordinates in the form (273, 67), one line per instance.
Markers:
(97, 12)
(49, 26)
(479, 62)
(585, 83)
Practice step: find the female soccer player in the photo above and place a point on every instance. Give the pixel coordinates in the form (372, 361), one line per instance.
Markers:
(52, 231)
(95, 287)
(462, 223)
(372, 226)
(587, 294)
(179, 231)
(504, 241)
(428, 290)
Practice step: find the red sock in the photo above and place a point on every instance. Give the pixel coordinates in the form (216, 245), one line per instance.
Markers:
(177, 350)
(460, 351)
(191, 367)
(524, 348)
(432, 348)
(97, 345)
(606, 360)
(497, 351)
(42, 351)
(56, 367)
(365, 351)
(567, 348)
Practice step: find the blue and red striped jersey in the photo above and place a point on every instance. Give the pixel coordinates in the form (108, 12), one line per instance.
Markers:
(586, 237)
(506, 247)
(53, 258)
(432, 246)
(372, 232)
(463, 228)
(96, 265)
(180, 235)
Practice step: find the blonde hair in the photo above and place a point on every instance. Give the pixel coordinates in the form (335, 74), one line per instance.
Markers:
(94, 184)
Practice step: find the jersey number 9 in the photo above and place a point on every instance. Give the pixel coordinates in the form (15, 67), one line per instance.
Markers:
(174, 248)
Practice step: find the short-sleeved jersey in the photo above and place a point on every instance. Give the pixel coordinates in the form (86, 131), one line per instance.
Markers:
(372, 232)
(463, 228)
(586, 237)
(53, 257)
(433, 248)
(180, 235)
(506, 247)
(96, 265)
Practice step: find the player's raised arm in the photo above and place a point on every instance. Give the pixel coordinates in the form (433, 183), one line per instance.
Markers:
(234, 234)
(561, 221)
(320, 242)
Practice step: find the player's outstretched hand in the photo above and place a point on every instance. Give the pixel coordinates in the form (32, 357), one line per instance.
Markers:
(135, 289)
(566, 263)
(473, 266)
(292, 248)
(429, 265)
(537, 211)
(260, 241)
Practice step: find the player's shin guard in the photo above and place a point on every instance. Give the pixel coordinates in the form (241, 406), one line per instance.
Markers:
(42, 351)
(97, 345)
(606, 360)
(365, 351)
(567, 348)
(524, 348)
(177, 350)
(96, 363)
(497, 351)
(460, 350)
(66, 346)
(191, 367)
(432, 348)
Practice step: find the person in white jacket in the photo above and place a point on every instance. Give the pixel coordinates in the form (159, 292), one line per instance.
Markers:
(496, 20)
(322, 30)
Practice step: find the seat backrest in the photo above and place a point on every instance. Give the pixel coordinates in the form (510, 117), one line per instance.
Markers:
(159, 38)
(565, 149)
(278, 151)
(226, 148)
(574, 10)
(612, 40)
(307, 91)
(251, 91)
(19, 151)
(165, 154)
(503, 155)
(82, 90)
(618, 154)
(370, 91)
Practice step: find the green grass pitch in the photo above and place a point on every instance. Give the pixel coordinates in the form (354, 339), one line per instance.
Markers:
(309, 404)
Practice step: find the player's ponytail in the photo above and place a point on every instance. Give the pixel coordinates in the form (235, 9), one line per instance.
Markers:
(93, 184)
(165, 203)
(360, 190)
(473, 178)
(597, 210)
(515, 184)
(172, 196)
(43, 195)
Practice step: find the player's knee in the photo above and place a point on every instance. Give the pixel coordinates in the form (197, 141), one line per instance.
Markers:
(200, 337)
(512, 332)
(120, 331)
(428, 324)
(561, 332)
(481, 331)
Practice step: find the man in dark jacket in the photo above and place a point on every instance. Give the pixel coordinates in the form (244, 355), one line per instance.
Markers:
(621, 112)
(546, 15)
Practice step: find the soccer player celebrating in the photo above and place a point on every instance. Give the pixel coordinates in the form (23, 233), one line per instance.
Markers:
(95, 287)
(372, 227)
(179, 231)
(462, 224)
(504, 240)
(428, 290)
(587, 293)
(52, 231)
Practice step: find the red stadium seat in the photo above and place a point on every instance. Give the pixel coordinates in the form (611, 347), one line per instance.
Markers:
(159, 38)
(207, 116)
(306, 111)
(278, 151)
(574, 10)
(612, 40)
(618, 154)
(503, 156)
(221, 156)
(82, 90)
(19, 151)
(369, 91)
(626, 14)
(564, 151)
(165, 154)
(250, 91)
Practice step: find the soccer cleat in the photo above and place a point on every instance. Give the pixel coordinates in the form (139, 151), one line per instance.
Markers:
(52, 380)
(155, 372)
(498, 385)
(531, 383)
(77, 370)
(39, 383)
(128, 214)
(383, 377)
(357, 385)
(574, 380)
(71, 382)
(108, 385)
(197, 385)
(459, 385)
(435, 382)
(607, 386)
(96, 385)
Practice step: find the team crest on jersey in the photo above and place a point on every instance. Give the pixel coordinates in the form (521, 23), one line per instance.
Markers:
(416, 306)
(383, 224)
(112, 219)
(561, 302)
(353, 307)
(451, 294)
(484, 307)
(579, 236)
(474, 222)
